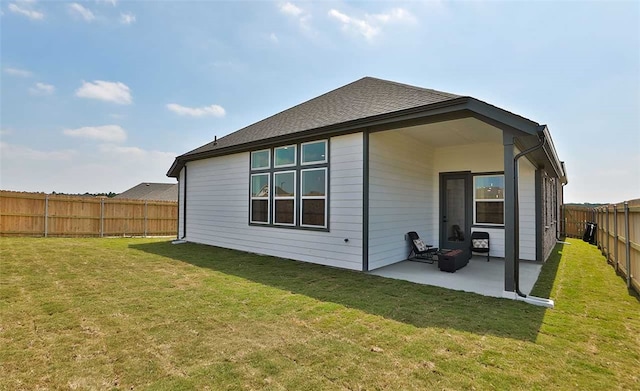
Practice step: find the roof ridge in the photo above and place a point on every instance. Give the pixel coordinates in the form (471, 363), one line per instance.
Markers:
(293, 107)
(438, 92)
(372, 97)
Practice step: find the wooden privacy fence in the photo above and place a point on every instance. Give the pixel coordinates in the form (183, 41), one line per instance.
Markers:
(38, 214)
(618, 237)
(575, 219)
(617, 234)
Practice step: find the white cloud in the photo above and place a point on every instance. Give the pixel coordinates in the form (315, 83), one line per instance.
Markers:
(213, 110)
(135, 152)
(42, 89)
(79, 10)
(101, 168)
(19, 152)
(112, 2)
(297, 13)
(5, 132)
(26, 9)
(18, 72)
(109, 133)
(115, 92)
(290, 9)
(370, 26)
(395, 15)
(127, 18)
(360, 26)
(273, 38)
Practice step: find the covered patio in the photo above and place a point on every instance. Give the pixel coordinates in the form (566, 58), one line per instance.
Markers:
(479, 276)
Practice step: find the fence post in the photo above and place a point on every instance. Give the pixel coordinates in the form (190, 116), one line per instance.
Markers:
(597, 213)
(607, 225)
(145, 218)
(627, 244)
(594, 220)
(101, 217)
(46, 215)
(615, 233)
(599, 222)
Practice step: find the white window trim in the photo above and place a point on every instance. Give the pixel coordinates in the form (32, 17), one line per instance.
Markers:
(279, 198)
(252, 198)
(475, 201)
(260, 168)
(326, 153)
(295, 156)
(303, 197)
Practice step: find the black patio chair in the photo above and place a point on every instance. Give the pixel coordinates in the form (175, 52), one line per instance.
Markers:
(420, 252)
(480, 243)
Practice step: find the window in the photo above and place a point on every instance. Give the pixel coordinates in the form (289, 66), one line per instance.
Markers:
(550, 201)
(284, 197)
(488, 199)
(314, 197)
(260, 198)
(284, 156)
(314, 152)
(260, 159)
(291, 191)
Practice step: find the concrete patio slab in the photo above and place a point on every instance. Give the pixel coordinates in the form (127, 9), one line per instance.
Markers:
(479, 276)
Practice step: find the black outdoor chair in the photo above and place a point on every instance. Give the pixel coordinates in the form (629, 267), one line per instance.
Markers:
(420, 252)
(480, 243)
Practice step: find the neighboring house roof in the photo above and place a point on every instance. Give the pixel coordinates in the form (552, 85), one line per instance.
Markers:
(152, 191)
(365, 102)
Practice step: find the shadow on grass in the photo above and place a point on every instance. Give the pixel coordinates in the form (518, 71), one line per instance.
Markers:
(544, 285)
(401, 301)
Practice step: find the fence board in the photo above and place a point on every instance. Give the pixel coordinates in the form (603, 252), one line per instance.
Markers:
(23, 214)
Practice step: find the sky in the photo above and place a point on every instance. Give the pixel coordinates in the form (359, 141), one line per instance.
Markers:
(99, 96)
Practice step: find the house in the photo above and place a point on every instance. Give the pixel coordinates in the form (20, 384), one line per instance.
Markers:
(152, 191)
(360, 166)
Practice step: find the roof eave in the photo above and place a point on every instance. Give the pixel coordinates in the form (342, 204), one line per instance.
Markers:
(552, 155)
(451, 105)
(475, 106)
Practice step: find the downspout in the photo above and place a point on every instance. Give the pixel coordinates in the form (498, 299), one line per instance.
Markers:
(180, 240)
(178, 219)
(184, 206)
(516, 247)
(564, 220)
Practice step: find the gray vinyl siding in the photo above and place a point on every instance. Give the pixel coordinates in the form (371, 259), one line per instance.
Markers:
(400, 196)
(218, 210)
(527, 201)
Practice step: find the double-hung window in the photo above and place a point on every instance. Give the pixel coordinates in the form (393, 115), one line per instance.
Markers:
(314, 197)
(488, 199)
(289, 185)
(284, 197)
(260, 198)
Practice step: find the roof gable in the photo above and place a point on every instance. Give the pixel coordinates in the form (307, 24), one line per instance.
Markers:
(367, 97)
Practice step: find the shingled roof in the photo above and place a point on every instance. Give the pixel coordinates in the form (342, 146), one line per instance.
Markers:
(152, 191)
(363, 98)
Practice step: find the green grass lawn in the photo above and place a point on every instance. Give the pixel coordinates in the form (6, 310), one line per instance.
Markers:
(145, 314)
